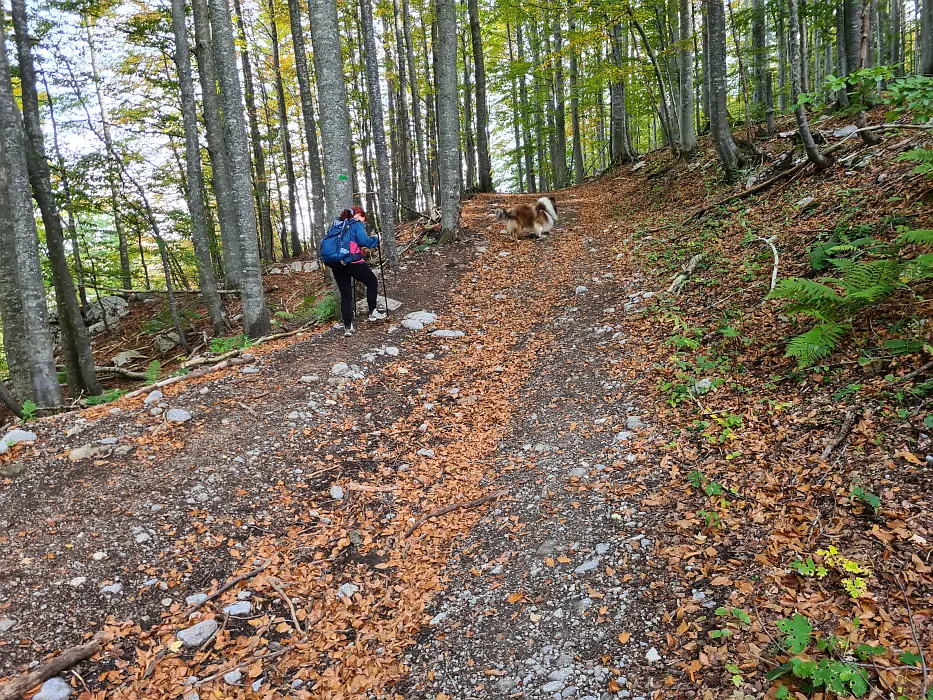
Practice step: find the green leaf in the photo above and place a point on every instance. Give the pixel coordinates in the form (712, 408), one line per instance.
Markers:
(909, 658)
(798, 632)
(781, 693)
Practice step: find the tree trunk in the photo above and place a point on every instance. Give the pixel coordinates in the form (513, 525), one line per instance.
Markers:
(189, 116)
(688, 137)
(290, 180)
(517, 111)
(663, 104)
(525, 112)
(813, 153)
(448, 146)
(852, 12)
(804, 49)
(307, 113)
(255, 315)
(707, 112)
(404, 161)
(720, 129)
(482, 111)
(469, 126)
(76, 344)
(782, 59)
(424, 179)
(925, 8)
(216, 146)
(261, 183)
(577, 146)
(759, 62)
(897, 13)
(26, 337)
(619, 150)
(377, 123)
(560, 109)
(842, 97)
(127, 278)
(431, 100)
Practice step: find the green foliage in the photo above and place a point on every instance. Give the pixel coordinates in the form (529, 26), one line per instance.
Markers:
(867, 497)
(860, 283)
(106, 397)
(30, 410)
(912, 94)
(232, 342)
(736, 613)
(923, 157)
(797, 633)
(807, 567)
(325, 308)
(153, 371)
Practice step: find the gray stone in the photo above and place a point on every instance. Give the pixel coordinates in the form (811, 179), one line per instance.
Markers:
(412, 324)
(233, 677)
(192, 696)
(112, 308)
(153, 397)
(602, 548)
(506, 684)
(257, 684)
(15, 437)
(54, 689)
(177, 415)
(249, 370)
(425, 452)
(703, 386)
(77, 581)
(198, 634)
(552, 687)
(6, 624)
(652, 655)
(805, 202)
(634, 423)
(165, 342)
(425, 318)
(112, 589)
(125, 357)
(580, 290)
(844, 131)
(109, 441)
(347, 590)
(12, 469)
(548, 548)
(561, 674)
(196, 599)
(336, 492)
(313, 266)
(392, 351)
(87, 451)
(310, 379)
(341, 369)
(579, 472)
(382, 303)
(238, 609)
(639, 165)
(438, 619)
(569, 692)
(586, 566)
(623, 435)
(447, 334)
(142, 538)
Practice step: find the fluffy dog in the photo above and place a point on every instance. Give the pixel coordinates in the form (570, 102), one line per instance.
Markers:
(540, 216)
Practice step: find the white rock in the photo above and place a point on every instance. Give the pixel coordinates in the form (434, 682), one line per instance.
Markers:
(653, 655)
(99, 556)
(153, 397)
(14, 437)
(54, 689)
(77, 581)
(844, 131)
(196, 599)
(6, 624)
(412, 325)
(233, 677)
(142, 538)
(447, 334)
(177, 415)
(425, 318)
(347, 590)
(238, 609)
(586, 566)
(424, 452)
(806, 201)
(634, 423)
(341, 369)
(438, 619)
(198, 634)
(580, 290)
(552, 687)
(392, 351)
(336, 492)
(112, 589)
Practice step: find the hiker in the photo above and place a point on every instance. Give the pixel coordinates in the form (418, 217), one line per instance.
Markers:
(341, 250)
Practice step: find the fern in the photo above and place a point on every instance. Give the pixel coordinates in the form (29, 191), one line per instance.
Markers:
(923, 157)
(153, 371)
(920, 236)
(816, 343)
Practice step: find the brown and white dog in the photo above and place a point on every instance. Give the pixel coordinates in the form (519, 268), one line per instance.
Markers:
(540, 216)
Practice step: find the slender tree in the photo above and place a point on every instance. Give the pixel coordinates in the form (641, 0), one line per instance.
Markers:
(482, 110)
(195, 177)
(525, 110)
(447, 122)
(576, 145)
(720, 128)
(560, 107)
(421, 147)
(76, 343)
(26, 339)
(813, 153)
(925, 58)
(688, 138)
(256, 321)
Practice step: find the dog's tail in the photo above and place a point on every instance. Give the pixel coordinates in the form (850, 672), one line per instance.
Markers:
(500, 214)
(548, 206)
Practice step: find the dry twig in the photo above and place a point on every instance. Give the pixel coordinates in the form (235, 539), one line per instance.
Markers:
(15, 689)
(842, 434)
(277, 586)
(452, 507)
(228, 585)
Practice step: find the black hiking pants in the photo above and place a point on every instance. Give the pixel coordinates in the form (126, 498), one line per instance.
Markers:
(344, 275)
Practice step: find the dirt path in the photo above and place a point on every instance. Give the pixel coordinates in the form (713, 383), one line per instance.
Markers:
(279, 468)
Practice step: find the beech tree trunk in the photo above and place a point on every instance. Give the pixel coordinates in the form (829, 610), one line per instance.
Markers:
(405, 168)
(196, 207)
(26, 338)
(448, 136)
(813, 153)
(525, 113)
(469, 126)
(424, 179)
(560, 109)
(720, 128)
(688, 137)
(482, 111)
(76, 343)
(256, 321)
(517, 110)
(620, 150)
(925, 58)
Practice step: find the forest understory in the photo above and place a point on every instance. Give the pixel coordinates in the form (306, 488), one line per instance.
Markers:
(639, 494)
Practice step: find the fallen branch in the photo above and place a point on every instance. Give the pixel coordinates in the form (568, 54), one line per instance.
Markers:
(916, 373)
(118, 290)
(453, 507)
(842, 434)
(228, 585)
(774, 272)
(197, 361)
(276, 585)
(14, 690)
(233, 362)
(913, 630)
(242, 664)
(372, 489)
(683, 276)
(128, 373)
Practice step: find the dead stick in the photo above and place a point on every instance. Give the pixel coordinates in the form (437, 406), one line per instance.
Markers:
(14, 690)
(233, 362)
(242, 664)
(143, 292)
(259, 341)
(276, 585)
(453, 507)
(916, 373)
(913, 630)
(843, 433)
(228, 585)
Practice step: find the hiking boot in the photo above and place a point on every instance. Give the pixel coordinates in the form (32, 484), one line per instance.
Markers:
(348, 331)
(377, 315)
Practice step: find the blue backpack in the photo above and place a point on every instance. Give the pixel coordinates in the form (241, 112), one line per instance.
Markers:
(335, 246)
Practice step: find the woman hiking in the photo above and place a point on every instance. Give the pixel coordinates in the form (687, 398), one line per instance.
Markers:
(342, 251)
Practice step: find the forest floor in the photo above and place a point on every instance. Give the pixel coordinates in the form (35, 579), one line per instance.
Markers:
(650, 463)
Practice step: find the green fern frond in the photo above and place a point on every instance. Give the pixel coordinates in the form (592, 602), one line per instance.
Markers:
(816, 343)
(920, 236)
(801, 290)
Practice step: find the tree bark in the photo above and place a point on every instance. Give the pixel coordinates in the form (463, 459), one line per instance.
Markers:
(76, 343)
(560, 109)
(759, 62)
(781, 36)
(925, 7)
(720, 129)
(663, 104)
(842, 69)
(404, 160)
(527, 149)
(308, 119)
(688, 136)
(216, 146)
(813, 153)
(377, 124)
(256, 321)
(196, 208)
(424, 179)
(619, 149)
(290, 180)
(127, 278)
(516, 113)
(469, 125)
(447, 121)
(26, 337)
(577, 146)
(482, 110)
(852, 12)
